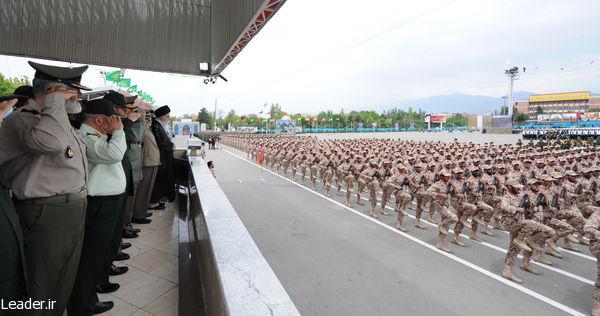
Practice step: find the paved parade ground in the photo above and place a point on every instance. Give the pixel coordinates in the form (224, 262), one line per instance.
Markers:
(336, 260)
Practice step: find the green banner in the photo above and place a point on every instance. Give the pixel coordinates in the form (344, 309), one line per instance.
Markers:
(140, 94)
(113, 75)
(123, 82)
(132, 88)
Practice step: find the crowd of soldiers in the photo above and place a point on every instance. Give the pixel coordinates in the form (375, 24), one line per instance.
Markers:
(538, 195)
(74, 176)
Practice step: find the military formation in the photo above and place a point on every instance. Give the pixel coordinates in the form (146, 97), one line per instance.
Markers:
(74, 176)
(539, 195)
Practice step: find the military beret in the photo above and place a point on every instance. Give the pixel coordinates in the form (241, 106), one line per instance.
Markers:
(70, 76)
(100, 106)
(163, 110)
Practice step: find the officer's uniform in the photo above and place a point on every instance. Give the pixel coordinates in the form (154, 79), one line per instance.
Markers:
(106, 192)
(44, 159)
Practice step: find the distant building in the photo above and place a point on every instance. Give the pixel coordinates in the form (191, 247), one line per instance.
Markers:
(558, 103)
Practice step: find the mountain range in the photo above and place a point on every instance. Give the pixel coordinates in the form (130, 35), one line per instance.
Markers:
(456, 103)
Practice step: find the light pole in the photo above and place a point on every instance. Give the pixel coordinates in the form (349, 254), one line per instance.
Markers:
(513, 74)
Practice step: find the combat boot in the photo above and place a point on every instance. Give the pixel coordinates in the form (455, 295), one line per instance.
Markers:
(554, 253)
(400, 228)
(537, 256)
(440, 245)
(479, 220)
(497, 225)
(552, 244)
(567, 245)
(521, 244)
(571, 238)
(506, 273)
(456, 241)
(528, 268)
(596, 308)
(582, 241)
(486, 231)
(474, 237)
(533, 244)
(418, 224)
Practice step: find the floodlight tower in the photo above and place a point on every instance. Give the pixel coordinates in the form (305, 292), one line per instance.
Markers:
(513, 74)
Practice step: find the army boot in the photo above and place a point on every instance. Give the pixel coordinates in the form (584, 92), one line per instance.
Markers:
(526, 267)
(456, 240)
(485, 230)
(440, 245)
(567, 244)
(532, 244)
(507, 274)
(596, 308)
(430, 219)
(539, 257)
(479, 220)
(474, 237)
(418, 223)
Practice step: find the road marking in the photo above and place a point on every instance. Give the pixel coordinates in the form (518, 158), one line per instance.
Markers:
(490, 274)
(578, 254)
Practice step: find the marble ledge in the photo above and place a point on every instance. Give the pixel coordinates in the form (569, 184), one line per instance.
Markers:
(249, 284)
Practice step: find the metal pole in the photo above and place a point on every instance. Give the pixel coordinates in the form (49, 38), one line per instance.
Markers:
(510, 95)
(215, 117)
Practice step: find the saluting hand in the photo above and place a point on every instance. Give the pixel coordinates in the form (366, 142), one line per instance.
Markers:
(114, 123)
(65, 93)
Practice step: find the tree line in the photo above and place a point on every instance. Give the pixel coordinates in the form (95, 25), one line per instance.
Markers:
(392, 118)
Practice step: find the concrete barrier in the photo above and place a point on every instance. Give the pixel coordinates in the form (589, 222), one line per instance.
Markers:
(222, 271)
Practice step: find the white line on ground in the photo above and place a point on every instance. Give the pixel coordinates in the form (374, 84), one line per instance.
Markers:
(490, 274)
(578, 254)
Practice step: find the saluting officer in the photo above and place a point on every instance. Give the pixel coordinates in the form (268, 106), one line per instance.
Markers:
(106, 193)
(44, 159)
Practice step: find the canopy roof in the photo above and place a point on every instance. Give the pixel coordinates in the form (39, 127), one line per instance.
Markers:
(173, 36)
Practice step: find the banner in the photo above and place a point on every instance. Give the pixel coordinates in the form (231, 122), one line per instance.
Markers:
(123, 82)
(502, 121)
(569, 96)
(113, 75)
(132, 88)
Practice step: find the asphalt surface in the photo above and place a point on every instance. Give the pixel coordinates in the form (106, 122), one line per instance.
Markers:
(335, 260)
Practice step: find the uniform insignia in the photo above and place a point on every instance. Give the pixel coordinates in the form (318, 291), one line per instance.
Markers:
(70, 152)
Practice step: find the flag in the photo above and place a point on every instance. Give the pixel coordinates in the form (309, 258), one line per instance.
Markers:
(260, 158)
(140, 94)
(132, 88)
(113, 75)
(123, 82)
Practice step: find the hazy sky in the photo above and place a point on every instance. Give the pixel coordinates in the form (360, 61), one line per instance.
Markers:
(346, 54)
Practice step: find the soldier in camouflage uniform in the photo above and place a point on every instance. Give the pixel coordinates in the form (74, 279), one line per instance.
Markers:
(592, 229)
(440, 193)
